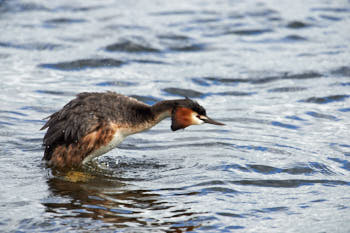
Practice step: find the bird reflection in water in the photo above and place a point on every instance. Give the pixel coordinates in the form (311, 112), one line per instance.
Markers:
(114, 203)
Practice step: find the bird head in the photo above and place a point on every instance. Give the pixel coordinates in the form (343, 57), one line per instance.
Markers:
(187, 112)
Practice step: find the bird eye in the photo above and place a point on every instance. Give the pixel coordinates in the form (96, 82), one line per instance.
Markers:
(198, 116)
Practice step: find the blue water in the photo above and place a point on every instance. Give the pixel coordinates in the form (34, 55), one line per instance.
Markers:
(275, 72)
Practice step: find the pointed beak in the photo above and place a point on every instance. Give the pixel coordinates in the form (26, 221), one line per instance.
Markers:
(211, 121)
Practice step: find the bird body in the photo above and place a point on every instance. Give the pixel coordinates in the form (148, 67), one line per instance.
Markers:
(94, 123)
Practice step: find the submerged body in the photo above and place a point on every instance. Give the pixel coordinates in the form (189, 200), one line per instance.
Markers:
(94, 123)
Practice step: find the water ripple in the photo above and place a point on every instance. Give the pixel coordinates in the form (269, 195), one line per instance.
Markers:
(297, 25)
(288, 89)
(218, 190)
(290, 183)
(249, 121)
(322, 116)
(331, 9)
(148, 61)
(272, 209)
(84, 64)
(175, 12)
(32, 46)
(131, 47)
(284, 125)
(15, 6)
(247, 32)
(174, 37)
(326, 99)
(344, 109)
(232, 215)
(331, 17)
(294, 38)
(60, 21)
(183, 92)
(345, 163)
(60, 93)
(263, 80)
(299, 169)
(235, 93)
(188, 48)
(117, 83)
(342, 71)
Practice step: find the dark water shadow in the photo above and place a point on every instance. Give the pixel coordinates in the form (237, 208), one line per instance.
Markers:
(149, 61)
(297, 25)
(288, 89)
(204, 81)
(60, 93)
(196, 94)
(64, 20)
(180, 43)
(84, 64)
(174, 12)
(130, 46)
(326, 99)
(247, 32)
(192, 47)
(293, 38)
(342, 71)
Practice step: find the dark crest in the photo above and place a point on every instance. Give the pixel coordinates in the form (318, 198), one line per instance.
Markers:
(191, 104)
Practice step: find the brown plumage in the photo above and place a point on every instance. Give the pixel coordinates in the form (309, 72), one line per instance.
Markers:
(94, 123)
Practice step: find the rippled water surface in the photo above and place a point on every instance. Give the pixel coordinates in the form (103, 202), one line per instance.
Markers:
(277, 73)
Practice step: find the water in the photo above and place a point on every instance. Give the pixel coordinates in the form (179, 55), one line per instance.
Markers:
(276, 72)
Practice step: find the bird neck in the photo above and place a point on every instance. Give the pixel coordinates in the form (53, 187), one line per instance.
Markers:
(152, 115)
(163, 109)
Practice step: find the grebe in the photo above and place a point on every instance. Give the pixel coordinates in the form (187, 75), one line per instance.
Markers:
(94, 123)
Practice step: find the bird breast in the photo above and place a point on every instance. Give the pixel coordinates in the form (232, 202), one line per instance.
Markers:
(118, 137)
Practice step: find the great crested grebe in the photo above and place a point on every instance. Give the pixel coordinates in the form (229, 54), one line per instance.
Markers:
(94, 123)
